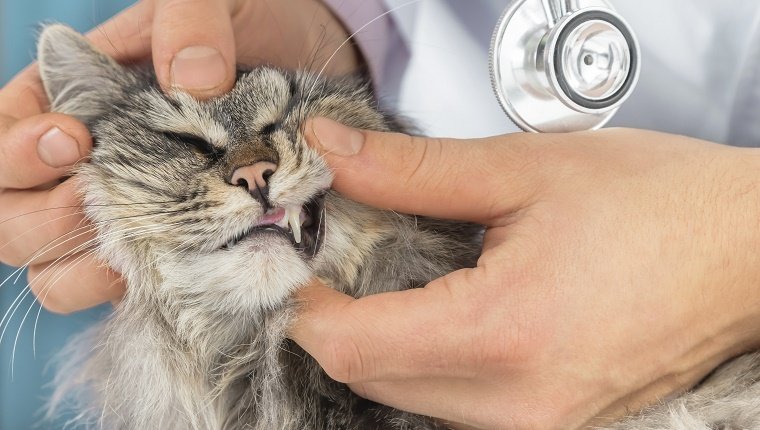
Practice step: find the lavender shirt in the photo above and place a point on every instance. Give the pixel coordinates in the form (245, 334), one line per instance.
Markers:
(371, 25)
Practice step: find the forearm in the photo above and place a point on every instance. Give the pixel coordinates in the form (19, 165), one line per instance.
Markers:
(741, 198)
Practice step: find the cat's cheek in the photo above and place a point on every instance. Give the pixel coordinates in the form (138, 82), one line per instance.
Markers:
(243, 279)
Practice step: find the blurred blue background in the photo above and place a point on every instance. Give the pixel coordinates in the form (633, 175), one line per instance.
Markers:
(23, 386)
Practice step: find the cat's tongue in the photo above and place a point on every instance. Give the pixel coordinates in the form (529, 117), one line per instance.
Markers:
(288, 217)
(273, 216)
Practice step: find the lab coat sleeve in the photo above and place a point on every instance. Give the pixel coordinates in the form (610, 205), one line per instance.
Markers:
(374, 32)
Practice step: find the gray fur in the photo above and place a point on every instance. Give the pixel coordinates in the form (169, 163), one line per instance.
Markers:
(199, 340)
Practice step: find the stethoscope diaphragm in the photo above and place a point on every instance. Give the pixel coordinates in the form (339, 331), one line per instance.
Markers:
(558, 69)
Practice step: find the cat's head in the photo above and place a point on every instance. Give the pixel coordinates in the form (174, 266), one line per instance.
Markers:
(221, 200)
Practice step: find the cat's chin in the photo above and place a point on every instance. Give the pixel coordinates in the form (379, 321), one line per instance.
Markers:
(256, 275)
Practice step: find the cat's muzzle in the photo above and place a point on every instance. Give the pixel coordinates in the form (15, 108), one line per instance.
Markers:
(304, 227)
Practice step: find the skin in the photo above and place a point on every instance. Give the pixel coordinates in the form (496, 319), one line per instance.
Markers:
(619, 266)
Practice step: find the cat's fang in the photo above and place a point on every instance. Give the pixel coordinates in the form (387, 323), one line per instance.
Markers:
(293, 214)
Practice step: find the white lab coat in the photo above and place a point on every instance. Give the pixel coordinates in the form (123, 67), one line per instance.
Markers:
(700, 68)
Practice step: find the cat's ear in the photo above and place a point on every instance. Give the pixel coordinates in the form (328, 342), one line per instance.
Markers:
(79, 80)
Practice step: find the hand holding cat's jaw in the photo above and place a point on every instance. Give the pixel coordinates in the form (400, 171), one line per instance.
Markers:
(619, 267)
(38, 216)
(445, 178)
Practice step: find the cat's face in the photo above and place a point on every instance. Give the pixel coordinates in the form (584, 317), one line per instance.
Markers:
(221, 200)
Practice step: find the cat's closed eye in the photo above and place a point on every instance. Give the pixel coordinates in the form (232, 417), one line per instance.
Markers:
(197, 144)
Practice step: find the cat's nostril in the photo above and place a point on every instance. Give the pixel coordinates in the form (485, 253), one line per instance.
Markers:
(255, 178)
(242, 183)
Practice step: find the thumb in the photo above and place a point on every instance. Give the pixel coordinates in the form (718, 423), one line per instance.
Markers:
(399, 335)
(474, 180)
(40, 149)
(194, 46)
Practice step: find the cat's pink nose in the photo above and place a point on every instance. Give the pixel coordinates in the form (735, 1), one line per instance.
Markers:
(255, 178)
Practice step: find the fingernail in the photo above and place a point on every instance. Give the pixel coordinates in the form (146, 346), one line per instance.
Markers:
(57, 149)
(337, 139)
(198, 68)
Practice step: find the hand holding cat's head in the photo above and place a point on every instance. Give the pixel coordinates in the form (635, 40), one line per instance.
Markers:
(207, 197)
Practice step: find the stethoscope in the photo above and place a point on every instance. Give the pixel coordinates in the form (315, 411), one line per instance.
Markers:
(563, 65)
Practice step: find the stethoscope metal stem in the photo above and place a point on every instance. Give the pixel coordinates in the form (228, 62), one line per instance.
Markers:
(556, 9)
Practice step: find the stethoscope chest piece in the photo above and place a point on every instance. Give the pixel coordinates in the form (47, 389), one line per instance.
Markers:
(563, 65)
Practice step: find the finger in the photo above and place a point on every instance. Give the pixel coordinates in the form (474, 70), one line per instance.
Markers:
(74, 283)
(475, 180)
(40, 226)
(22, 97)
(38, 149)
(418, 333)
(194, 46)
(126, 36)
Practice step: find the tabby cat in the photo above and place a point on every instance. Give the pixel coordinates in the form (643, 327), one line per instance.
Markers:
(215, 212)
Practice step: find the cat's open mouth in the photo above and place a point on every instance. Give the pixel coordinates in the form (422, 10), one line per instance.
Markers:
(302, 225)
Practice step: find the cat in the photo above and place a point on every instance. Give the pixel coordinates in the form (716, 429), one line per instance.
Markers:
(215, 213)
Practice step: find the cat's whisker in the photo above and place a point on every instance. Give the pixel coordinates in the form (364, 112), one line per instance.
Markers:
(54, 244)
(112, 237)
(23, 294)
(11, 309)
(28, 289)
(47, 288)
(39, 226)
(322, 219)
(351, 37)
(84, 206)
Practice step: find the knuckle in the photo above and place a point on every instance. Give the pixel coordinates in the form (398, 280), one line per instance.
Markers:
(64, 224)
(343, 360)
(182, 7)
(361, 390)
(62, 232)
(423, 156)
(39, 279)
(9, 257)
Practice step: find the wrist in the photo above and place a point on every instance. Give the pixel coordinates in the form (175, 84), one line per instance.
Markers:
(743, 255)
(714, 210)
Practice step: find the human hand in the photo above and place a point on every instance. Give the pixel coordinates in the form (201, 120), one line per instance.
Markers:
(41, 221)
(196, 44)
(618, 267)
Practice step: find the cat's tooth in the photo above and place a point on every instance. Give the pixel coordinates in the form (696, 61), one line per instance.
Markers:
(294, 214)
